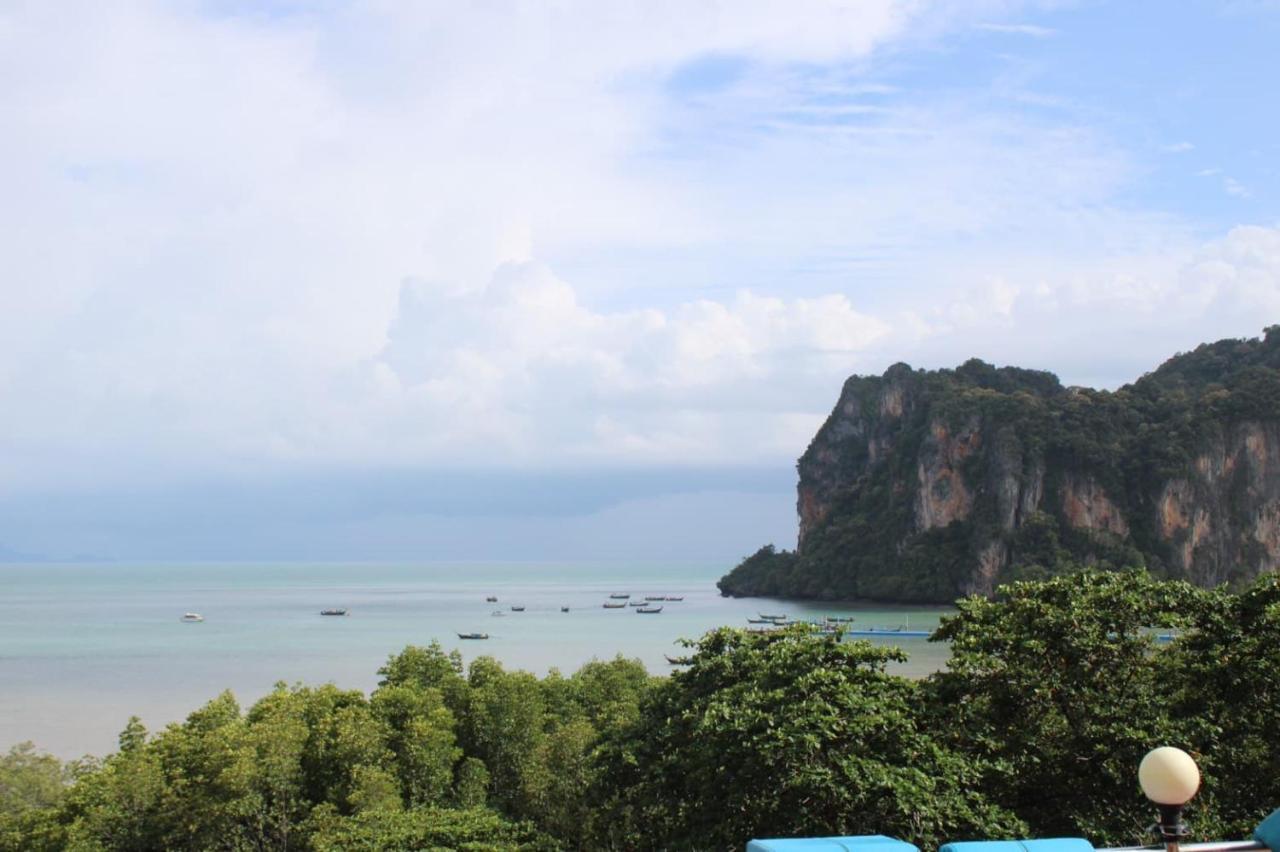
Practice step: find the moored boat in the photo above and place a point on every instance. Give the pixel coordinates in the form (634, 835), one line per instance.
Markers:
(674, 598)
(334, 611)
(491, 599)
(473, 635)
(564, 609)
(619, 597)
(759, 621)
(517, 609)
(192, 617)
(638, 603)
(654, 597)
(615, 606)
(649, 610)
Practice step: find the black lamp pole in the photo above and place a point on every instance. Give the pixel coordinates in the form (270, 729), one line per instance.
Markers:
(1171, 828)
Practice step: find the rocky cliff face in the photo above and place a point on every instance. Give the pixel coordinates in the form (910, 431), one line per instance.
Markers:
(924, 485)
(1225, 511)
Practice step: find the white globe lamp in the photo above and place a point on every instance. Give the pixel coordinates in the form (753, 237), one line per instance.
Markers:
(1169, 778)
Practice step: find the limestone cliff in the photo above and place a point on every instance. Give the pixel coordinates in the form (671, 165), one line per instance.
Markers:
(923, 485)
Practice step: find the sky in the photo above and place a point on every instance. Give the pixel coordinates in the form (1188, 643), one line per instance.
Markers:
(579, 279)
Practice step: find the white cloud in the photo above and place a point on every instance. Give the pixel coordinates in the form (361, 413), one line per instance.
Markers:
(1019, 29)
(542, 374)
(750, 377)
(1233, 187)
(1105, 323)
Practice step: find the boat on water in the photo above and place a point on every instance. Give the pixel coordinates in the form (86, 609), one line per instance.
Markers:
(473, 635)
(517, 609)
(620, 597)
(491, 599)
(759, 621)
(192, 617)
(674, 598)
(615, 606)
(654, 597)
(564, 609)
(839, 619)
(638, 603)
(335, 611)
(649, 610)
(767, 617)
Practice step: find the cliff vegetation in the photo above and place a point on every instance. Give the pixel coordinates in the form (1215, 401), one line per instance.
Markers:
(925, 485)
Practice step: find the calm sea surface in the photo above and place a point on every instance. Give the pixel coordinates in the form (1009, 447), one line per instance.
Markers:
(82, 647)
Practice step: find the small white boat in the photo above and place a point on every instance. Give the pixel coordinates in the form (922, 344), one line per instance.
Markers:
(192, 617)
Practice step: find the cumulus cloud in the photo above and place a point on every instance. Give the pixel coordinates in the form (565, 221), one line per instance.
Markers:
(522, 372)
(522, 367)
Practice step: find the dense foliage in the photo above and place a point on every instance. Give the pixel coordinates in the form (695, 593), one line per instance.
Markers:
(1054, 691)
(1026, 427)
(788, 735)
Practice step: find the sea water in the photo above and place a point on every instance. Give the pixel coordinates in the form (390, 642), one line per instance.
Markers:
(84, 646)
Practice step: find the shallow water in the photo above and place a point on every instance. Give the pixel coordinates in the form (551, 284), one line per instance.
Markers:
(83, 647)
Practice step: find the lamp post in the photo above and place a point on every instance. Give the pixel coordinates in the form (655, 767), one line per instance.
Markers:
(1169, 778)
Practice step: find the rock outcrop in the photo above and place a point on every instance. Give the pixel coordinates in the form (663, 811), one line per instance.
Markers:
(924, 485)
